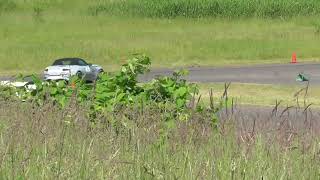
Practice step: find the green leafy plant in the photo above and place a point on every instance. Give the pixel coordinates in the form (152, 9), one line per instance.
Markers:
(174, 89)
(115, 91)
(120, 88)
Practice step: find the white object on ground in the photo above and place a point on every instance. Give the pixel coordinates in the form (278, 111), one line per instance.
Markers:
(18, 84)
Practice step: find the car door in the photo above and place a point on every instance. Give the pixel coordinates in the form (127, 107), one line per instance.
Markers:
(86, 70)
(90, 73)
(93, 73)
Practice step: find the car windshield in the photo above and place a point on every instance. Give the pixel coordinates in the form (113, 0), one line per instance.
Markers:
(70, 61)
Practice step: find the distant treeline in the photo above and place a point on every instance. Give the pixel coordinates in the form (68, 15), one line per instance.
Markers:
(176, 8)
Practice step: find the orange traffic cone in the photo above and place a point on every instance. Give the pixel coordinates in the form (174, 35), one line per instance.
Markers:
(294, 58)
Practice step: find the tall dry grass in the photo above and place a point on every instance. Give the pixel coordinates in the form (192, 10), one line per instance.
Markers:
(142, 143)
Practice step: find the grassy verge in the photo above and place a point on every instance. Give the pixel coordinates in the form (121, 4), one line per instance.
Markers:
(264, 95)
(31, 42)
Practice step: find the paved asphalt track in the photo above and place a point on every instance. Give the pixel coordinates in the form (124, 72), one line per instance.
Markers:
(260, 74)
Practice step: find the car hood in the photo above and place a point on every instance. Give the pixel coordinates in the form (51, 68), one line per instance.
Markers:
(97, 67)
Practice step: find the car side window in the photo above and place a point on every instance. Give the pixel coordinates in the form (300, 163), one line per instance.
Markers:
(82, 63)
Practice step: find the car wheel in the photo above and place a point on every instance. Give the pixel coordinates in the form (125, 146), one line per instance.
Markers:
(79, 74)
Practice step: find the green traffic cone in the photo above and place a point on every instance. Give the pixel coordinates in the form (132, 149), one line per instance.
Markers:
(301, 77)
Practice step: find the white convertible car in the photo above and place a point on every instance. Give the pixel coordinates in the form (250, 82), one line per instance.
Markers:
(63, 69)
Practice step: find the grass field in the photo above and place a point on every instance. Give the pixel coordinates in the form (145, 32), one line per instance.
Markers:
(32, 40)
(62, 132)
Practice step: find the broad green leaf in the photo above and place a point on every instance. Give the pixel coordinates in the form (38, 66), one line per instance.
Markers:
(180, 103)
(180, 92)
(53, 91)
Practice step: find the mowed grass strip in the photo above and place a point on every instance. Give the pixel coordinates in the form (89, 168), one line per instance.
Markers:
(29, 42)
(264, 94)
